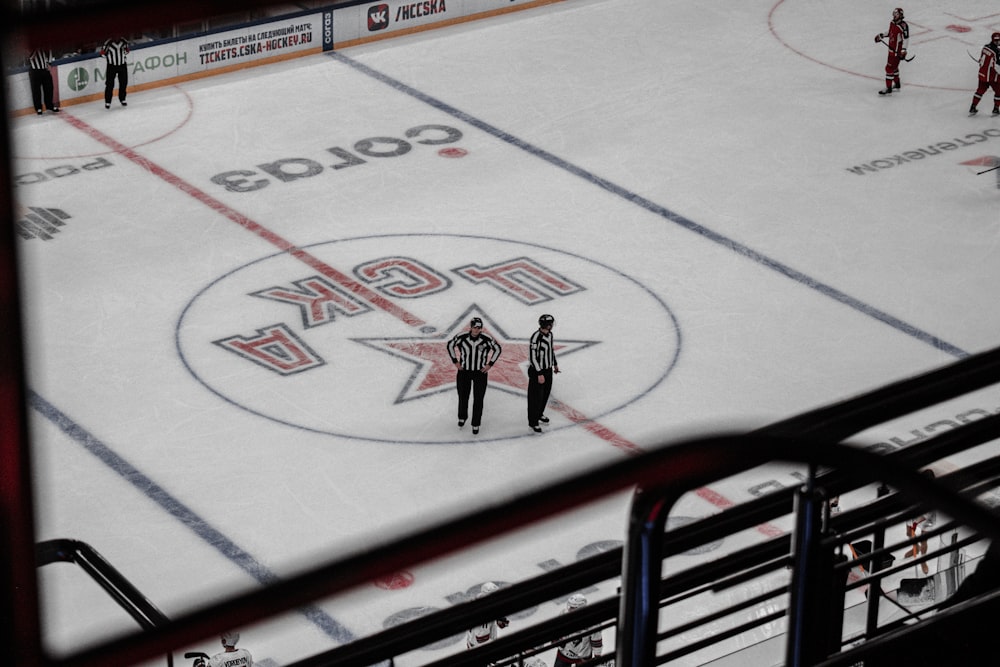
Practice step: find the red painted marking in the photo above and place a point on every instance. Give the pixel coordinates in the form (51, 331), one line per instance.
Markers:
(394, 582)
(345, 281)
(78, 156)
(453, 152)
(958, 28)
(985, 161)
(722, 502)
(602, 432)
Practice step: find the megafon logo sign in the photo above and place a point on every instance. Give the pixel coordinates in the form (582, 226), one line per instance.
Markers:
(378, 17)
(78, 79)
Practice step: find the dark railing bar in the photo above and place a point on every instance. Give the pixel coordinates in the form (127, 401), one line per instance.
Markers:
(428, 629)
(846, 418)
(722, 613)
(910, 562)
(643, 563)
(779, 503)
(864, 531)
(594, 614)
(884, 649)
(426, 637)
(933, 449)
(113, 582)
(713, 576)
(752, 573)
(716, 638)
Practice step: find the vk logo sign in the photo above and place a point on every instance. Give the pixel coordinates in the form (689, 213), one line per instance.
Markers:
(378, 17)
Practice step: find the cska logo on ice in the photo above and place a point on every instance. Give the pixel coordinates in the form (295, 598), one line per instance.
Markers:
(348, 338)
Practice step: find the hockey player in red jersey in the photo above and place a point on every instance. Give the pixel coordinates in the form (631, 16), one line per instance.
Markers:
(989, 74)
(896, 39)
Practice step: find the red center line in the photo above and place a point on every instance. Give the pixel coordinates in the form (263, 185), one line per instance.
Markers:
(325, 269)
(601, 431)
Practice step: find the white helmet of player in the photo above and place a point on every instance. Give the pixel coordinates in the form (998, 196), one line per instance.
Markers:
(230, 638)
(487, 588)
(575, 602)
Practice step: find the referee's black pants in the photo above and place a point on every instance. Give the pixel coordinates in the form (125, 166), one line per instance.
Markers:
(112, 71)
(538, 394)
(41, 88)
(473, 382)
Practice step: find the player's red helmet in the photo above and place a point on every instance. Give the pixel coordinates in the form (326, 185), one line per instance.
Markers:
(995, 37)
(897, 13)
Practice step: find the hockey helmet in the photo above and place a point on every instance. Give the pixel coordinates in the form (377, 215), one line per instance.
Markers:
(230, 638)
(476, 322)
(995, 37)
(546, 320)
(576, 601)
(897, 10)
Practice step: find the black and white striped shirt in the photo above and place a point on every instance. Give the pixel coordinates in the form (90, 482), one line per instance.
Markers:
(542, 354)
(473, 353)
(40, 59)
(115, 51)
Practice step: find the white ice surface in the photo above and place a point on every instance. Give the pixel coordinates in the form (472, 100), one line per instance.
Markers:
(688, 164)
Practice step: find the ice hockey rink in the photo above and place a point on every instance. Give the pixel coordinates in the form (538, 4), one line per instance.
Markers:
(240, 289)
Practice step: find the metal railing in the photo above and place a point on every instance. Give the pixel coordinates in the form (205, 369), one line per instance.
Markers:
(661, 477)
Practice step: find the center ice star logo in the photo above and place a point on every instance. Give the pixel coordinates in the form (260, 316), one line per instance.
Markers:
(348, 337)
(434, 371)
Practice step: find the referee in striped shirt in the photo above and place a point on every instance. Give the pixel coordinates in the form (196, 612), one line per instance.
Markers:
(473, 354)
(541, 364)
(40, 78)
(115, 50)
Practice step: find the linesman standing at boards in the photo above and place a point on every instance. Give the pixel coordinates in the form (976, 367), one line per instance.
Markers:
(40, 78)
(115, 51)
(541, 365)
(473, 354)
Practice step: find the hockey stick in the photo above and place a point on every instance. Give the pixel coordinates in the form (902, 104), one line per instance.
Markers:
(906, 59)
(971, 56)
(980, 173)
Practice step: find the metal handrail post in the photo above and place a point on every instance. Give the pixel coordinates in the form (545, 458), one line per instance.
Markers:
(875, 564)
(642, 566)
(810, 579)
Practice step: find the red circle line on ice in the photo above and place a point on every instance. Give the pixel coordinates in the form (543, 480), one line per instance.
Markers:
(931, 33)
(178, 124)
